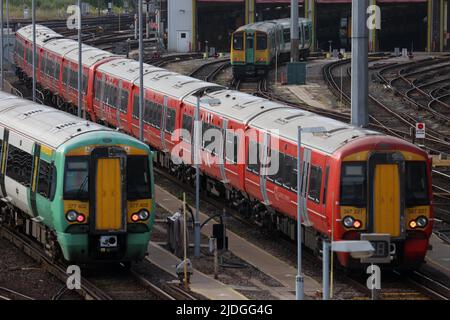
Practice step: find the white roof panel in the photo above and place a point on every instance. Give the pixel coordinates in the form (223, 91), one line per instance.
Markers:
(44, 124)
(43, 34)
(287, 120)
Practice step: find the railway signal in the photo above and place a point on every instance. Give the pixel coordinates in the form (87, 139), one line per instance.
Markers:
(420, 130)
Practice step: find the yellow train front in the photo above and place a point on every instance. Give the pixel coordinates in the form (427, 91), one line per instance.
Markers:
(255, 47)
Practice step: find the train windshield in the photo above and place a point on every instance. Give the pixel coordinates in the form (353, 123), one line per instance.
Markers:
(138, 178)
(76, 179)
(416, 184)
(354, 184)
(261, 42)
(238, 41)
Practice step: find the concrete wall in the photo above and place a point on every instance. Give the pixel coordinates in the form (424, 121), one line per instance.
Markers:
(179, 19)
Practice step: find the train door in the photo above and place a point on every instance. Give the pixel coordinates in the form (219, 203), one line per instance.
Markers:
(304, 187)
(249, 48)
(110, 192)
(385, 193)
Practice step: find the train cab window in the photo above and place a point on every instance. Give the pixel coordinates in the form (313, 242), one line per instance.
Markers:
(45, 179)
(315, 184)
(19, 165)
(354, 184)
(138, 178)
(253, 157)
(261, 41)
(416, 184)
(238, 41)
(187, 126)
(76, 178)
(249, 42)
(170, 120)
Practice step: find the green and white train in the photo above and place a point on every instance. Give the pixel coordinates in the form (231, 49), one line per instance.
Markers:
(255, 46)
(82, 190)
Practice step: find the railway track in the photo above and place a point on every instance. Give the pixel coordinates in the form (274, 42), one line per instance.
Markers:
(162, 61)
(112, 283)
(209, 70)
(387, 118)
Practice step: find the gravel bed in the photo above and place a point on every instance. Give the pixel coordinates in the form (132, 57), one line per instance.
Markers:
(21, 273)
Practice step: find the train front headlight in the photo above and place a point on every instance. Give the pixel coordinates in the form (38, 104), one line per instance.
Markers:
(422, 221)
(348, 221)
(71, 216)
(413, 224)
(143, 214)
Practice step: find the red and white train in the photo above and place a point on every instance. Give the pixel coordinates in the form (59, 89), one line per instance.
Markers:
(356, 181)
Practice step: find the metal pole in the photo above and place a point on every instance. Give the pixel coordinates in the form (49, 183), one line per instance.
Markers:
(1, 45)
(294, 31)
(197, 179)
(33, 18)
(325, 269)
(299, 290)
(80, 66)
(360, 82)
(141, 74)
(185, 244)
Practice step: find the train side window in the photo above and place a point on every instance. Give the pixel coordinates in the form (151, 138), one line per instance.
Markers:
(85, 83)
(157, 116)
(65, 74)
(123, 106)
(136, 106)
(45, 179)
(325, 186)
(315, 184)
(170, 120)
(231, 147)
(253, 157)
(288, 164)
(261, 41)
(294, 175)
(238, 41)
(287, 35)
(57, 70)
(187, 126)
(97, 86)
(113, 95)
(19, 165)
(148, 110)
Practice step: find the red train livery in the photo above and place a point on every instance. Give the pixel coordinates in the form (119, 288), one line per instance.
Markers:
(356, 181)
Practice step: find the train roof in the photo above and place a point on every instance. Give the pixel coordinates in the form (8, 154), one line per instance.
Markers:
(268, 25)
(47, 125)
(234, 105)
(43, 34)
(49, 39)
(287, 120)
(160, 80)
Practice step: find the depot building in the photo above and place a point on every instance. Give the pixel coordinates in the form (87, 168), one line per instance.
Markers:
(420, 25)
